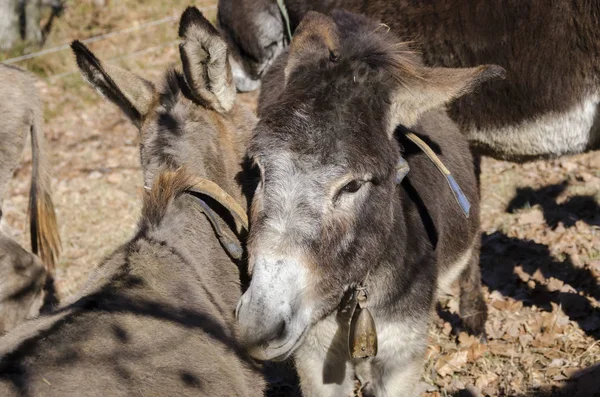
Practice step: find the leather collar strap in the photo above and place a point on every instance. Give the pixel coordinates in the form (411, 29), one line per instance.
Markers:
(209, 188)
(459, 196)
(286, 17)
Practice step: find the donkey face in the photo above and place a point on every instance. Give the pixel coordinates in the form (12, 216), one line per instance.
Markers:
(254, 31)
(324, 208)
(189, 119)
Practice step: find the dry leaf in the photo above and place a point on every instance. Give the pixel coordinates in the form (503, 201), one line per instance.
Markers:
(484, 380)
(450, 363)
(525, 340)
(533, 217)
(447, 329)
(476, 351)
(554, 284)
(466, 340)
(432, 351)
(493, 329)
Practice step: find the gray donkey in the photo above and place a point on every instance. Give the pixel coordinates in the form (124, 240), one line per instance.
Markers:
(25, 281)
(338, 237)
(157, 317)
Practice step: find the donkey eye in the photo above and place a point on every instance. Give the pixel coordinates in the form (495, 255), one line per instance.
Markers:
(352, 187)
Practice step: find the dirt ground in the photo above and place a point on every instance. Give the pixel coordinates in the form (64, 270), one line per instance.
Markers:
(541, 220)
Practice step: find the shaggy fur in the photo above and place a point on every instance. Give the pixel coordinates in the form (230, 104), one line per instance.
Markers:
(156, 317)
(21, 116)
(549, 102)
(328, 211)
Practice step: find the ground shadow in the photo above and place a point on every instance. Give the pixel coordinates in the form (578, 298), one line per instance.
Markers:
(584, 383)
(576, 208)
(282, 379)
(451, 318)
(500, 255)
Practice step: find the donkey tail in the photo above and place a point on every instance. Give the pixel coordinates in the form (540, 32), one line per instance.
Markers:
(45, 240)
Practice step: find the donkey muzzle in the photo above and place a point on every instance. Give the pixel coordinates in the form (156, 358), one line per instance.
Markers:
(269, 316)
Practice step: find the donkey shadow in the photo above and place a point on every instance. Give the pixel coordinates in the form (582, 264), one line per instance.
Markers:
(584, 383)
(582, 207)
(500, 255)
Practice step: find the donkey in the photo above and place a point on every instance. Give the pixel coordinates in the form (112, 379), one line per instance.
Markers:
(330, 219)
(157, 317)
(25, 281)
(549, 104)
(21, 20)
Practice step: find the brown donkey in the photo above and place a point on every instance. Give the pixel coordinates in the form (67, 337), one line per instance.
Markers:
(332, 216)
(157, 317)
(25, 282)
(549, 104)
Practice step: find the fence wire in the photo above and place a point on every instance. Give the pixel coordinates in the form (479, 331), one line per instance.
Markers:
(119, 58)
(101, 37)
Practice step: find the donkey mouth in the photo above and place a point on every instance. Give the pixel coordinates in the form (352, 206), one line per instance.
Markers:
(279, 350)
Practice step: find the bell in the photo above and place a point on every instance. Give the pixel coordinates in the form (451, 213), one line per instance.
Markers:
(362, 339)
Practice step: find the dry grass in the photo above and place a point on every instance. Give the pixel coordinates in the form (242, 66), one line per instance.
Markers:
(541, 260)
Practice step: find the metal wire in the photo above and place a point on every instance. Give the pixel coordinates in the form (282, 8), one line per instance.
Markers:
(111, 60)
(99, 37)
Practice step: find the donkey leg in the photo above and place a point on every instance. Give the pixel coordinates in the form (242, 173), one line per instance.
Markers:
(322, 362)
(396, 382)
(473, 309)
(396, 369)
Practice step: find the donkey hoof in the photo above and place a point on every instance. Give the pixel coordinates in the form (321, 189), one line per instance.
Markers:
(483, 338)
(474, 324)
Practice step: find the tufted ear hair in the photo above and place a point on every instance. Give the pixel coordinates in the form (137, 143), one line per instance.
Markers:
(436, 87)
(316, 37)
(131, 93)
(205, 64)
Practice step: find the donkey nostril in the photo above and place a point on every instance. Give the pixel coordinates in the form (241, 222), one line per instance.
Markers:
(280, 330)
(276, 333)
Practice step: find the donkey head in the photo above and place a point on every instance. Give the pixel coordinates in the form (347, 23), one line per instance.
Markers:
(193, 119)
(323, 211)
(254, 31)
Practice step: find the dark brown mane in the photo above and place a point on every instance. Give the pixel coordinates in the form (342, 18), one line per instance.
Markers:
(364, 46)
(168, 185)
(172, 86)
(375, 45)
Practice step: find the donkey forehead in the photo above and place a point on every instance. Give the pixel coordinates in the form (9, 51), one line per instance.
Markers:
(178, 117)
(327, 131)
(286, 167)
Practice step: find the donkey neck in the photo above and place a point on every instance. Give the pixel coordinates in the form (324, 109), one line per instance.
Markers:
(406, 264)
(186, 230)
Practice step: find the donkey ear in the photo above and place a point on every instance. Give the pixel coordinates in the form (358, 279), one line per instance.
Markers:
(316, 37)
(437, 87)
(205, 64)
(131, 93)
